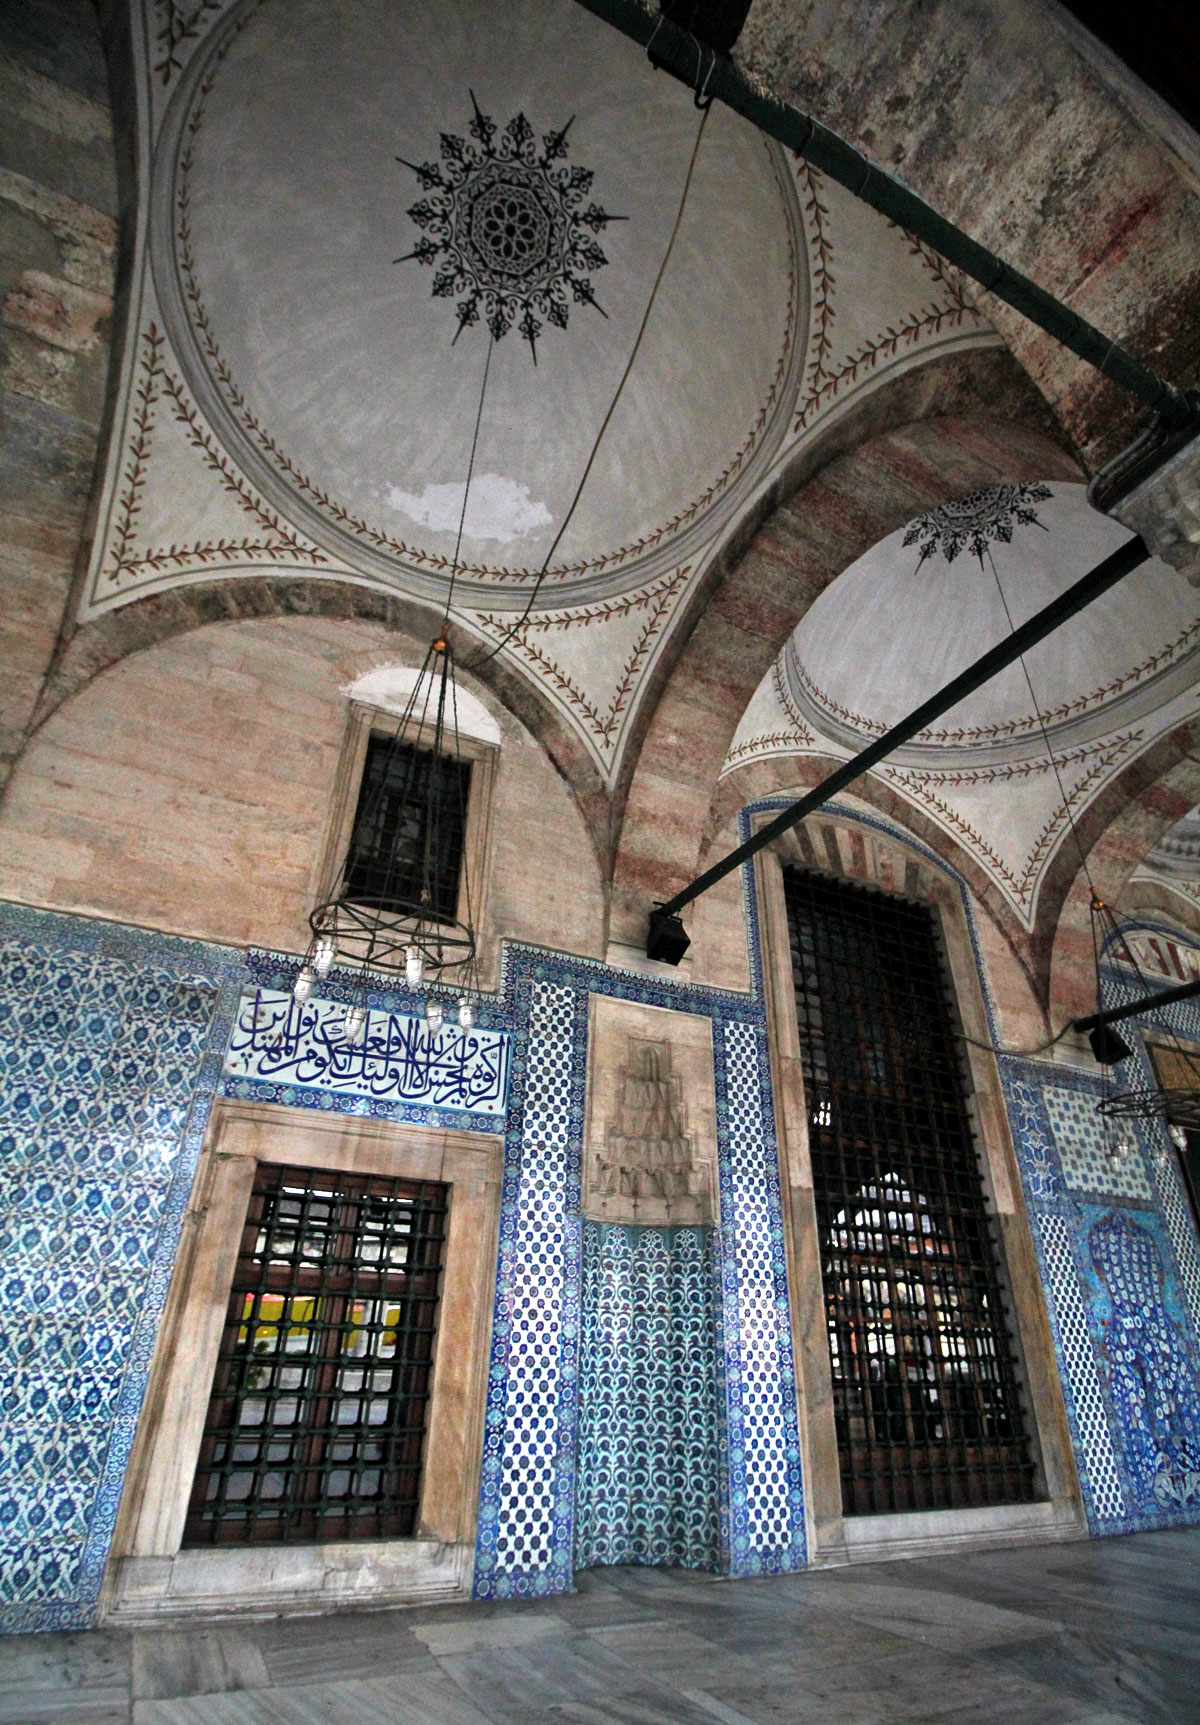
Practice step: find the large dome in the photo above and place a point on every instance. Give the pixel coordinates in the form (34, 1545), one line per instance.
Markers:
(334, 370)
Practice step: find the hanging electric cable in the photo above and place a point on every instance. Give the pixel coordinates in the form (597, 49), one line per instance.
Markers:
(394, 907)
(516, 628)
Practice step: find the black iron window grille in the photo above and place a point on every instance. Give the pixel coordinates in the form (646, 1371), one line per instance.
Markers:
(385, 862)
(316, 1422)
(926, 1402)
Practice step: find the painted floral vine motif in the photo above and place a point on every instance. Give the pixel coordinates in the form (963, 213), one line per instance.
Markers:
(784, 696)
(824, 380)
(603, 722)
(507, 226)
(797, 735)
(1020, 887)
(364, 531)
(277, 542)
(765, 743)
(1006, 729)
(982, 518)
(179, 24)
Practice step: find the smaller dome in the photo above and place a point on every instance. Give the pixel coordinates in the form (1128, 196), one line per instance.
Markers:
(893, 629)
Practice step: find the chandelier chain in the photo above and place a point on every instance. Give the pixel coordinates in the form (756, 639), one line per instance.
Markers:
(516, 628)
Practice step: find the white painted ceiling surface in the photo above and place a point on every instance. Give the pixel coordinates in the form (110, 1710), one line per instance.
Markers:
(303, 323)
(293, 399)
(891, 630)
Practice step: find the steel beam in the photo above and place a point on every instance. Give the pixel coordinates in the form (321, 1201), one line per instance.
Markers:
(799, 132)
(1044, 622)
(1146, 1003)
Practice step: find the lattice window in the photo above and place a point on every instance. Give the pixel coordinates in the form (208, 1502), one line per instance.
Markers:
(393, 838)
(926, 1403)
(317, 1416)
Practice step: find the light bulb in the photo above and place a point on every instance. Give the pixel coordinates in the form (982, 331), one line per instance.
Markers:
(1120, 1146)
(414, 967)
(435, 1014)
(324, 953)
(303, 986)
(466, 1013)
(352, 1024)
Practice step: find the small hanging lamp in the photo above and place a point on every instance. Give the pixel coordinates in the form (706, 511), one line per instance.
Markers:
(396, 901)
(1178, 1102)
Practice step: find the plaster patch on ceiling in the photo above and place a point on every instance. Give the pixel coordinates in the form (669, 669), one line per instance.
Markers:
(497, 508)
(325, 400)
(330, 404)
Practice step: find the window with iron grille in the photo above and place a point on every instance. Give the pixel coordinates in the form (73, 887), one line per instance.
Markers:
(392, 840)
(926, 1402)
(316, 1422)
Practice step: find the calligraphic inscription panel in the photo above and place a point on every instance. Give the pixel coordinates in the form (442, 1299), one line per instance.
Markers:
(397, 1059)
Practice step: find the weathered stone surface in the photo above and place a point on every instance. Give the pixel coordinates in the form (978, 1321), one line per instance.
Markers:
(61, 40)
(58, 241)
(57, 137)
(189, 786)
(993, 114)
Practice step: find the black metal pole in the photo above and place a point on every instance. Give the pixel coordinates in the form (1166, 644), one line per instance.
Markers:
(718, 77)
(1147, 1003)
(1041, 624)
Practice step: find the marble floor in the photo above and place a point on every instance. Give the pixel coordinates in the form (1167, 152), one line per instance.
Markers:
(1102, 1632)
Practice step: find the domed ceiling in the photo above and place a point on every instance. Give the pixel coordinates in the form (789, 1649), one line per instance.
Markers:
(896, 626)
(1174, 862)
(357, 211)
(349, 382)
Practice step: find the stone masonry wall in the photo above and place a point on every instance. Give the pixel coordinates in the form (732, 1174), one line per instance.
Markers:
(188, 788)
(58, 237)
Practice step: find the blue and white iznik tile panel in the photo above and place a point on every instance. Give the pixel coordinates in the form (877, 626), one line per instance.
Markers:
(110, 1048)
(650, 1427)
(112, 1042)
(1120, 1262)
(541, 1466)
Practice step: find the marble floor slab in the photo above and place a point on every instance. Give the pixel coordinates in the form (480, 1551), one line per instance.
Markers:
(1104, 1632)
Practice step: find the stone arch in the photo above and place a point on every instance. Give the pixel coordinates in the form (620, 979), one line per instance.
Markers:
(200, 786)
(824, 526)
(999, 116)
(138, 626)
(1160, 900)
(793, 774)
(1116, 831)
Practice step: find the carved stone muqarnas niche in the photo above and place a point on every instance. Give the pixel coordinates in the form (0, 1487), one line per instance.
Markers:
(647, 1169)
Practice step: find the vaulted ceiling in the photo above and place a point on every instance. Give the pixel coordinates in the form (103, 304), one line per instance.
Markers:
(334, 201)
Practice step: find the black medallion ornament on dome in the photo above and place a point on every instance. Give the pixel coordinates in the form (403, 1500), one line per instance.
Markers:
(981, 518)
(507, 226)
